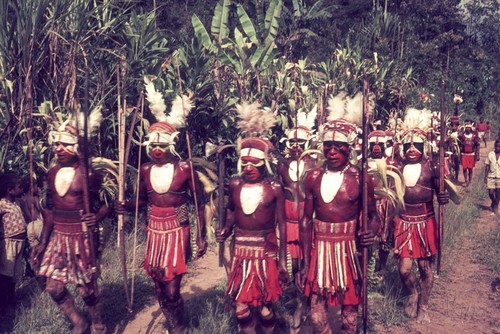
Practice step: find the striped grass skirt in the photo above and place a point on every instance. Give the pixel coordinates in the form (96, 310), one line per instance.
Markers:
(166, 245)
(416, 236)
(254, 277)
(67, 257)
(334, 271)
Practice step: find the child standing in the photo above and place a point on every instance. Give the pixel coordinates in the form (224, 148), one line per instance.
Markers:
(492, 176)
(12, 239)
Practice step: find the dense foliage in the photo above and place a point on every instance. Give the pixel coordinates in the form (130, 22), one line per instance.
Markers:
(288, 54)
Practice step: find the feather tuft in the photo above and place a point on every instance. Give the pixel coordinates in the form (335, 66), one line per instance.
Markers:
(181, 107)
(155, 99)
(254, 120)
(307, 119)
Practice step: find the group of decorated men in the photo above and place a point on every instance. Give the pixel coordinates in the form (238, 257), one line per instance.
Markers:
(307, 208)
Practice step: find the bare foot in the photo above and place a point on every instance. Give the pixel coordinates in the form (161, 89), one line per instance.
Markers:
(411, 306)
(98, 329)
(80, 327)
(423, 315)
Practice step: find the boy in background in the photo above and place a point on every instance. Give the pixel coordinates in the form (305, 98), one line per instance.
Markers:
(12, 239)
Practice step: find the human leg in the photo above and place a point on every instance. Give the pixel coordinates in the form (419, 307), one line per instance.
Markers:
(245, 319)
(409, 281)
(426, 283)
(66, 304)
(319, 316)
(349, 319)
(267, 320)
(92, 299)
(492, 193)
(171, 304)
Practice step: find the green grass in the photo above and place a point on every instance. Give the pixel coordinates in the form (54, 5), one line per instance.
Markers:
(386, 301)
(209, 312)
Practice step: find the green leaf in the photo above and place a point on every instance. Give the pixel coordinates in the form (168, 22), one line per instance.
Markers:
(201, 33)
(219, 28)
(247, 25)
(272, 19)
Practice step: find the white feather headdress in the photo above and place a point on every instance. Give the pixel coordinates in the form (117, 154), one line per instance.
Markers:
(254, 121)
(349, 109)
(181, 106)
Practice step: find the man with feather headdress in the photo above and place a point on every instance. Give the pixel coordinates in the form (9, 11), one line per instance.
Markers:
(330, 273)
(65, 247)
(163, 187)
(256, 209)
(416, 230)
(291, 171)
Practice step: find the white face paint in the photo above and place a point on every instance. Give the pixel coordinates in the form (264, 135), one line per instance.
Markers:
(161, 177)
(330, 185)
(388, 151)
(250, 197)
(63, 180)
(411, 174)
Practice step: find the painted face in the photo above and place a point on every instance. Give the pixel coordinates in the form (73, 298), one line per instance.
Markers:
(377, 150)
(413, 151)
(252, 168)
(66, 153)
(297, 146)
(468, 129)
(336, 154)
(159, 152)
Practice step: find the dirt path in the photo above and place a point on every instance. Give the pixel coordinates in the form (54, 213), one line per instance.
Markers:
(465, 298)
(204, 274)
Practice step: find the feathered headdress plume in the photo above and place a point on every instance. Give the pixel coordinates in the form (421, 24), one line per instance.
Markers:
(255, 123)
(254, 120)
(166, 129)
(156, 103)
(349, 109)
(181, 107)
(307, 119)
(417, 119)
(67, 130)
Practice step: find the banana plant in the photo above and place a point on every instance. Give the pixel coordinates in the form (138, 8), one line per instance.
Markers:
(249, 49)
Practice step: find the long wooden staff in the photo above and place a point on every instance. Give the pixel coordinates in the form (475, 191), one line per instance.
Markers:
(121, 186)
(89, 238)
(441, 179)
(136, 206)
(222, 210)
(190, 158)
(364, 215)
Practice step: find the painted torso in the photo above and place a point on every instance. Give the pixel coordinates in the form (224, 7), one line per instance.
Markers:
(336, 195)
(254, 204)
(288, 173)
(166, 184)
(65, 187)
(420, 183)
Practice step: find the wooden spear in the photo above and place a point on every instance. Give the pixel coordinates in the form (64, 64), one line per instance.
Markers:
(190, 159)
(122, 163)
(442, 139)
(364, 216)
(89, 237)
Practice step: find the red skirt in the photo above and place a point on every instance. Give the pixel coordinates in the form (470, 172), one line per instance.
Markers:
(334, 273)
(254, 277)
(67, 256)
(468, 161)
(165, 245)
(292, 228)
(416, 236)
